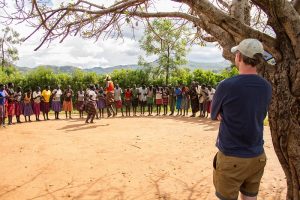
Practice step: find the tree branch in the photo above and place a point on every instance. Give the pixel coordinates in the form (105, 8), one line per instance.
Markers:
(297, 6)
(231, 25)
(285, 19)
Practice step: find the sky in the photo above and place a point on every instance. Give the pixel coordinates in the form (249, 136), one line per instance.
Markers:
(84, 53)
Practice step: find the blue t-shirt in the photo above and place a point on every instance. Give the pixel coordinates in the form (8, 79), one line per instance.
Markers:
(2, 95)
(242, 102)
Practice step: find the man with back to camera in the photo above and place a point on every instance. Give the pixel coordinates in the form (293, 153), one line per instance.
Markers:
(241, 104)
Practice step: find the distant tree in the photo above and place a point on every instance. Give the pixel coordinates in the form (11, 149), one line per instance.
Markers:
(9, 53)
(169, 42)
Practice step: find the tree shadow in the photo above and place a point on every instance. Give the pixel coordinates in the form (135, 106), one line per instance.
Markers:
(97, 189)
(30, 180)
(207, 123)
(160, 186)
(80, 127)
(274, 191)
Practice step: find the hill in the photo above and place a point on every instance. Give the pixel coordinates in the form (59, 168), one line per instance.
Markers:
(100, 70)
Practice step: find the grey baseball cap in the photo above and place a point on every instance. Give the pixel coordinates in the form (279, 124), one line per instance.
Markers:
(249, 47)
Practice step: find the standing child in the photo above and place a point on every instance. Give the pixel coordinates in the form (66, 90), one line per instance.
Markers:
(150, 100)
(80, 102)
(128, 100)
(185, 102)
(194, 99)
(110, 88)
(165, 95)
(211, 91)
(11, 103)
(36, 96)
(27, 106)
(172, 99)
(2, 104)
(158, 99)
(46, 94)
(118, 99)
(91, 106)
(68, 104)
(5, 105)
(135, 99)
(202, 100)
(18, 104)
(143, 98)
(178, 93)
(56, 101)
(101, 103)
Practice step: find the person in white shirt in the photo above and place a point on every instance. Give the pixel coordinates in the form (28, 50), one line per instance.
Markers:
(211, 91)
(36, 96)
(143, 98)
(118, 99)
(91, 105)
(80, 102)
(56, 101)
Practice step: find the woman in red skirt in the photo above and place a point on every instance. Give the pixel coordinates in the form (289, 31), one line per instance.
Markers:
(11, 103)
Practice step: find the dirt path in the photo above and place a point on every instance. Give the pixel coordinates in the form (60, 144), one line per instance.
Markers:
(120, 158)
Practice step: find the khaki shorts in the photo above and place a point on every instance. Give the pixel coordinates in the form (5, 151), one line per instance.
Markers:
(233, 175)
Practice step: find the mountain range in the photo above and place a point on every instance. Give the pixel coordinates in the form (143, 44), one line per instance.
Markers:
(100, 70)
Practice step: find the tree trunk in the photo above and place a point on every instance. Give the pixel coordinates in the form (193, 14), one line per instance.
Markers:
(284, 119)
(2, 52)
(168, 67)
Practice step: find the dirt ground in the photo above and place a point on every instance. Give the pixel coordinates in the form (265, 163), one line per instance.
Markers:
(136, 158)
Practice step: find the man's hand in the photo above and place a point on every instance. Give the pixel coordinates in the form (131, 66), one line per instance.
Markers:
(219, 117)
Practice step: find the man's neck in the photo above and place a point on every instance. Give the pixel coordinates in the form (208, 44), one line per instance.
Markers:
(247, 69)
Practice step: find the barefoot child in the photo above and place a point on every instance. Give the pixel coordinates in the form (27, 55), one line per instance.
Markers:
(80, 102)
(18, 104)
(46, 94)
(178, 93)
(128, 100)
(36, 96)
(118, 99)
(91, 106)
(150, 100)
(135, 99)
(56, 101)
(27, 106)
(101, 103)
(165, 97)
(143, 99)
(2, 103)
(158, 99)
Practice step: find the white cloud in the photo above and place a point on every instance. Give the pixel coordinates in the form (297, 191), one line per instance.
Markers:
(103, 53)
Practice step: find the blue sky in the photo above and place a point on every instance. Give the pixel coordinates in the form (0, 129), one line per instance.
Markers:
(76, 51)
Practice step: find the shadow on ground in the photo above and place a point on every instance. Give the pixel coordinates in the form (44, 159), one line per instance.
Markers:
(80, 127)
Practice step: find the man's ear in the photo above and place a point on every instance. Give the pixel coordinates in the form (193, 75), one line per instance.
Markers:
(239, 56)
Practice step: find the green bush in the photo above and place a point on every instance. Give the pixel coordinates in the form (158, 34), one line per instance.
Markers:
(43, 77)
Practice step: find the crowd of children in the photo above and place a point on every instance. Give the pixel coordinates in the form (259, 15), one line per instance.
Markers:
(95, 100)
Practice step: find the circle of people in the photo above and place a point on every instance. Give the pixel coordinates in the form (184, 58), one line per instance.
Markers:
(94, 100)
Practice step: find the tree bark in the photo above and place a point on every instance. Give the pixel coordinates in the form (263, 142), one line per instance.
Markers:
(284, 119)
(2, 52)
(168, 67)
(240, 10)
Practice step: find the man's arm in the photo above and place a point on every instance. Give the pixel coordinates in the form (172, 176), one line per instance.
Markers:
(217, 102)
